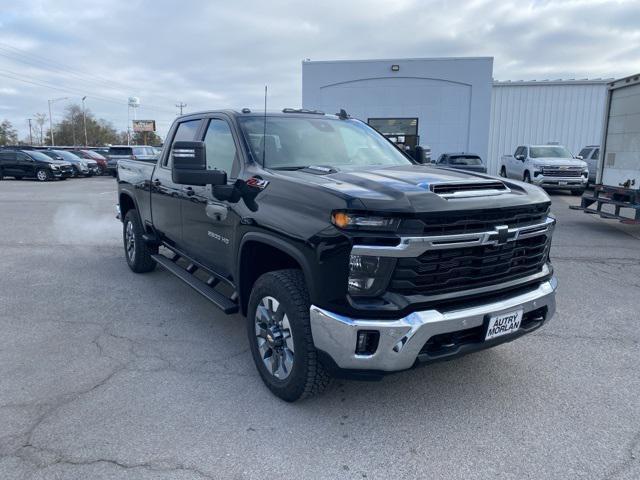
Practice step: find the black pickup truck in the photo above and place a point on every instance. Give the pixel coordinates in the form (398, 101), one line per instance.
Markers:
(346, 256)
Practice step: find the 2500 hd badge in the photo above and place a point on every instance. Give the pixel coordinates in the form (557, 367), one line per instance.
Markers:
(355, 260)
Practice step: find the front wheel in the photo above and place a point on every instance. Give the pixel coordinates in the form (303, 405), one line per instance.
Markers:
(527, 177)
(280, 336)
(43, 175)
(136, 251)
(503, 172)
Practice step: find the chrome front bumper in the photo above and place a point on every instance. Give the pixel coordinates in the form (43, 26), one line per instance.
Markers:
(542, 180)
(401, 340)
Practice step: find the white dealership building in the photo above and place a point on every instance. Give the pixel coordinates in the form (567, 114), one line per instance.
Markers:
(454, 105)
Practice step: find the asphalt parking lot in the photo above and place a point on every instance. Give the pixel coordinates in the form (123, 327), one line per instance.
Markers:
(105, 374)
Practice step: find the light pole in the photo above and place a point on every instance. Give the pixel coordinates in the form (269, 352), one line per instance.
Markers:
(84, 120)
(53, 100)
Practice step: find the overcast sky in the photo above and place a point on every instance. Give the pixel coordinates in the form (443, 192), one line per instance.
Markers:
(219, 54)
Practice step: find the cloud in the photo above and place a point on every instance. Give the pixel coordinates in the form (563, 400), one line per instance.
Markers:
(214, 54)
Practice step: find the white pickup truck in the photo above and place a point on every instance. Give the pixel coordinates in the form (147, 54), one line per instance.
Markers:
(548, 166)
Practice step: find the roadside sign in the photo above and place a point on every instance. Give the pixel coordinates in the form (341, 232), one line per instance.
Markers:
(144, 125)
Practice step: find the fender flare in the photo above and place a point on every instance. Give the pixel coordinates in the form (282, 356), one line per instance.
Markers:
(281, 244)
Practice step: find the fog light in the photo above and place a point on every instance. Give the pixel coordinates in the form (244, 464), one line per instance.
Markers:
(367, 343)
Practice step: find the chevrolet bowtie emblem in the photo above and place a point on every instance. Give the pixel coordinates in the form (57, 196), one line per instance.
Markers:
(501, 235)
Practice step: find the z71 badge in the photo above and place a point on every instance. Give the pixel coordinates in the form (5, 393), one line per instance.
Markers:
(257, 182)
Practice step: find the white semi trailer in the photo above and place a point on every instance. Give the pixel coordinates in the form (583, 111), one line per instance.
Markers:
(616, 194)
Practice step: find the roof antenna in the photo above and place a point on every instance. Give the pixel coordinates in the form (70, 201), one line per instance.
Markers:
(342, 114)
(264, 128)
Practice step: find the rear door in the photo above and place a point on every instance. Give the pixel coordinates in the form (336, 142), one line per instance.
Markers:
(8, 162)
(208, 223)
(166, 209)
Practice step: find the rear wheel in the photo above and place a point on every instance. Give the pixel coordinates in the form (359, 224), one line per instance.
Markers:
(136, 251)
(280, 336)
(43, 175)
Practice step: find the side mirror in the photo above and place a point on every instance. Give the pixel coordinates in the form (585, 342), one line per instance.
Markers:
(520, 157)
(189, 165)
(579, 157)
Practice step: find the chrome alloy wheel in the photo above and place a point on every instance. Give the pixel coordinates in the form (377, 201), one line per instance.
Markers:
(42, 175)
(274, 337)
(130, 241)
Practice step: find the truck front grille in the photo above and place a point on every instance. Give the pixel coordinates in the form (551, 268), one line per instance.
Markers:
(453, 223)
(562, 172)
(457, 269)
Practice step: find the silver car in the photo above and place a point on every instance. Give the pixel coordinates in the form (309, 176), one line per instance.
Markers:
(591, 154)
(128, 152)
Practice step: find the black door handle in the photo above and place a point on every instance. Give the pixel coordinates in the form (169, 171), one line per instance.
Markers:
(190, 192)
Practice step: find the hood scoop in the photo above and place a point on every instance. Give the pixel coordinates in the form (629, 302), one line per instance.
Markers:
(469, 189)
(319, 170)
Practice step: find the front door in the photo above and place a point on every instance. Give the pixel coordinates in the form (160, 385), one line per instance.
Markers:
(208, 223)
(165, 194)
(26, 165)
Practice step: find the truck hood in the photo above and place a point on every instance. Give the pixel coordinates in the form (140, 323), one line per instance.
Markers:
(556, 162)
(408, 188)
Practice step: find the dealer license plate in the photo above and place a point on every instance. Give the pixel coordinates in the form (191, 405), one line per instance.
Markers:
(503, 324)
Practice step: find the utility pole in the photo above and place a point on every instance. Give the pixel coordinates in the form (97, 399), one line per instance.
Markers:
(84, 119)
(30, 135)
(181, 106)
(53, 100)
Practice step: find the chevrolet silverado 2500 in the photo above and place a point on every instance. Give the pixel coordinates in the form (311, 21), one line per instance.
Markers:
(345, 256)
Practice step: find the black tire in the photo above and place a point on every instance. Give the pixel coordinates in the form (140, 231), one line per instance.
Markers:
(503, 172)
(527, 177)
(578, 193)
(101, 170)
(307, 376)
(43, 175)
(136, 251)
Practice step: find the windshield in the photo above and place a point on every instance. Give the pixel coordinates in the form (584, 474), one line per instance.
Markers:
(464, 160)
(550, 152)
(67, 155)
(38, 156)
(300, 142)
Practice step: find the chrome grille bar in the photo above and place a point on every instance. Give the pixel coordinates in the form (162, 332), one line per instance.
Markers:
(416, 246)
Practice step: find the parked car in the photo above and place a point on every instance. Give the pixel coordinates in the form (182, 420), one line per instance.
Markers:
(104, 151)
(548, 166)
(128, 152)
(591, 154)
(19, 164)
(463, 161)
(82, 166)
(344, 255)
(96, 157)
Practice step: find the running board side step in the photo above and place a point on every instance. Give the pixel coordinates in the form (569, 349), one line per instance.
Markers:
(223, 303)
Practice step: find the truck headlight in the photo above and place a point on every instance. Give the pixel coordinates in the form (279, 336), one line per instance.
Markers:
(363, 222)
(369, 275)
